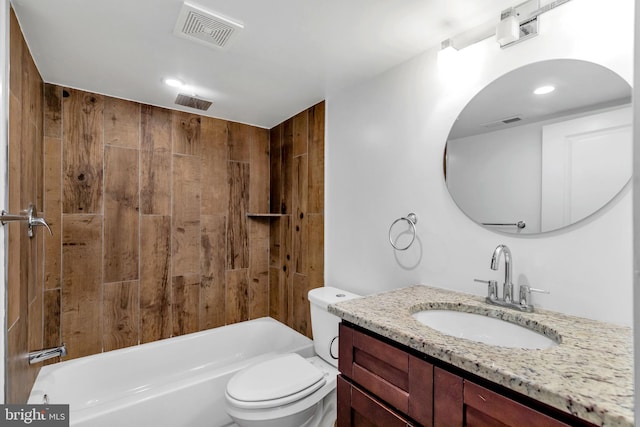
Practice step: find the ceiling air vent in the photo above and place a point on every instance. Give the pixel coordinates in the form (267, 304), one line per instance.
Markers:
(511, 120)
(502, 122)
(193, 102)
(197, 24)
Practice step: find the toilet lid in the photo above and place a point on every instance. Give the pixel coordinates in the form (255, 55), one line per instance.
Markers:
(276, 378)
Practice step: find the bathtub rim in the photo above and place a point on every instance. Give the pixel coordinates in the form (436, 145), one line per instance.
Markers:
(301, 344)
(167, 341)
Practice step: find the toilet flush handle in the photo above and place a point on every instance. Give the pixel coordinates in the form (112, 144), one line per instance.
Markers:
(331, 348)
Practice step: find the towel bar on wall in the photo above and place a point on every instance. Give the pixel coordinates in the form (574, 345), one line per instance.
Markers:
(519, 224)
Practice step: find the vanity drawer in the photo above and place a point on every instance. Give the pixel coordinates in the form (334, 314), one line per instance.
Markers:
(393, 375)
(359, 409)
(483, 407)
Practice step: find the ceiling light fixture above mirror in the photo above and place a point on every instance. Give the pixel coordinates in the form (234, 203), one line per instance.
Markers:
(517, 24)
(508, 29)
(447, 50)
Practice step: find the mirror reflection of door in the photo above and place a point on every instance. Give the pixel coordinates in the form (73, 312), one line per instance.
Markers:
(584, 162)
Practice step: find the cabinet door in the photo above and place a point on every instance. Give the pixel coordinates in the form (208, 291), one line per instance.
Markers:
(483, 407)
(447, 399)
(403, 381)
(359, 409)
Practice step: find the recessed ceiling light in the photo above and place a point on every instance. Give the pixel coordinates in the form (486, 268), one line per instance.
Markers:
(173, 82)
(543, 90)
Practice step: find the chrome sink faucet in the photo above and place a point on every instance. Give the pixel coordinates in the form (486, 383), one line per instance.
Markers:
(507, 286)
(523, 303)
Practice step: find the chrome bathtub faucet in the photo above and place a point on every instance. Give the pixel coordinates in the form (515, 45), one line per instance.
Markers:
(524, 301)
(46, 354)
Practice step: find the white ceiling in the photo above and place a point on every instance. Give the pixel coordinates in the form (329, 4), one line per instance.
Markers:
(290, 55)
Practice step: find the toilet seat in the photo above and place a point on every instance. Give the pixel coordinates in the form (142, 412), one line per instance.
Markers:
(275, 382)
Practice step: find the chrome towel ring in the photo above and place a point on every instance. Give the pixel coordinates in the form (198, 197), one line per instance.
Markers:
(412, 219)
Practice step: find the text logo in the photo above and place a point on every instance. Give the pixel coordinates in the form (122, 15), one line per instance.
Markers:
(34, 415)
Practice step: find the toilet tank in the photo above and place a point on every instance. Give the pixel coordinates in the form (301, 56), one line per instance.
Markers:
(324, 325)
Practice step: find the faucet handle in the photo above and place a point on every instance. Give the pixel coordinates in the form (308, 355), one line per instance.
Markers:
(525, 294)
(492, 288)
(33, 220)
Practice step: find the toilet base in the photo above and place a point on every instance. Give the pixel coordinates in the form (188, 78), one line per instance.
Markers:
(322, 414)
(299, 419)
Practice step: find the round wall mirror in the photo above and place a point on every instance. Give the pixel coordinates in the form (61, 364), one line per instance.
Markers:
(541, 147)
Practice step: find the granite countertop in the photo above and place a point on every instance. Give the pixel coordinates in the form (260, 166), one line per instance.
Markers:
(589, 374)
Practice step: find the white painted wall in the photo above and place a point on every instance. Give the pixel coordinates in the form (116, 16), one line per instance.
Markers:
(636, 215)
(384, 145)
(4, 129)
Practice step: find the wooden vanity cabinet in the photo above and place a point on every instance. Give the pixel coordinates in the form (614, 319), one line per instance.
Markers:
(447, 399)
(483, 407)
(358, 408)
(384, 385)
(401, 380)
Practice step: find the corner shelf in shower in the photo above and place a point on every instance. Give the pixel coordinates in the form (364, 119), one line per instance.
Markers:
(265, 215)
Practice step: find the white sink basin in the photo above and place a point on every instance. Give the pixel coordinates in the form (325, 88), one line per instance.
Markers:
(488, 330)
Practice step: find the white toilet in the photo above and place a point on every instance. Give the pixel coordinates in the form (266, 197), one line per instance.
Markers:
(289, 390)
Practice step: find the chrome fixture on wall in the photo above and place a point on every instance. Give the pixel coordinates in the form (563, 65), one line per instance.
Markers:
(507, 287)
(30, 216)
(412, 220)
(517, 24)
(519, 224)
(46, 354)
(524, 298)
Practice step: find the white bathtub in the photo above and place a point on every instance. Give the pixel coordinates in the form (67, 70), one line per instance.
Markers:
(177, 382)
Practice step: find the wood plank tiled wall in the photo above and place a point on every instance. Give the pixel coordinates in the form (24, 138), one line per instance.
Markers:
(25, 255)
(151, 208)
(297, 238)
(148, 210)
